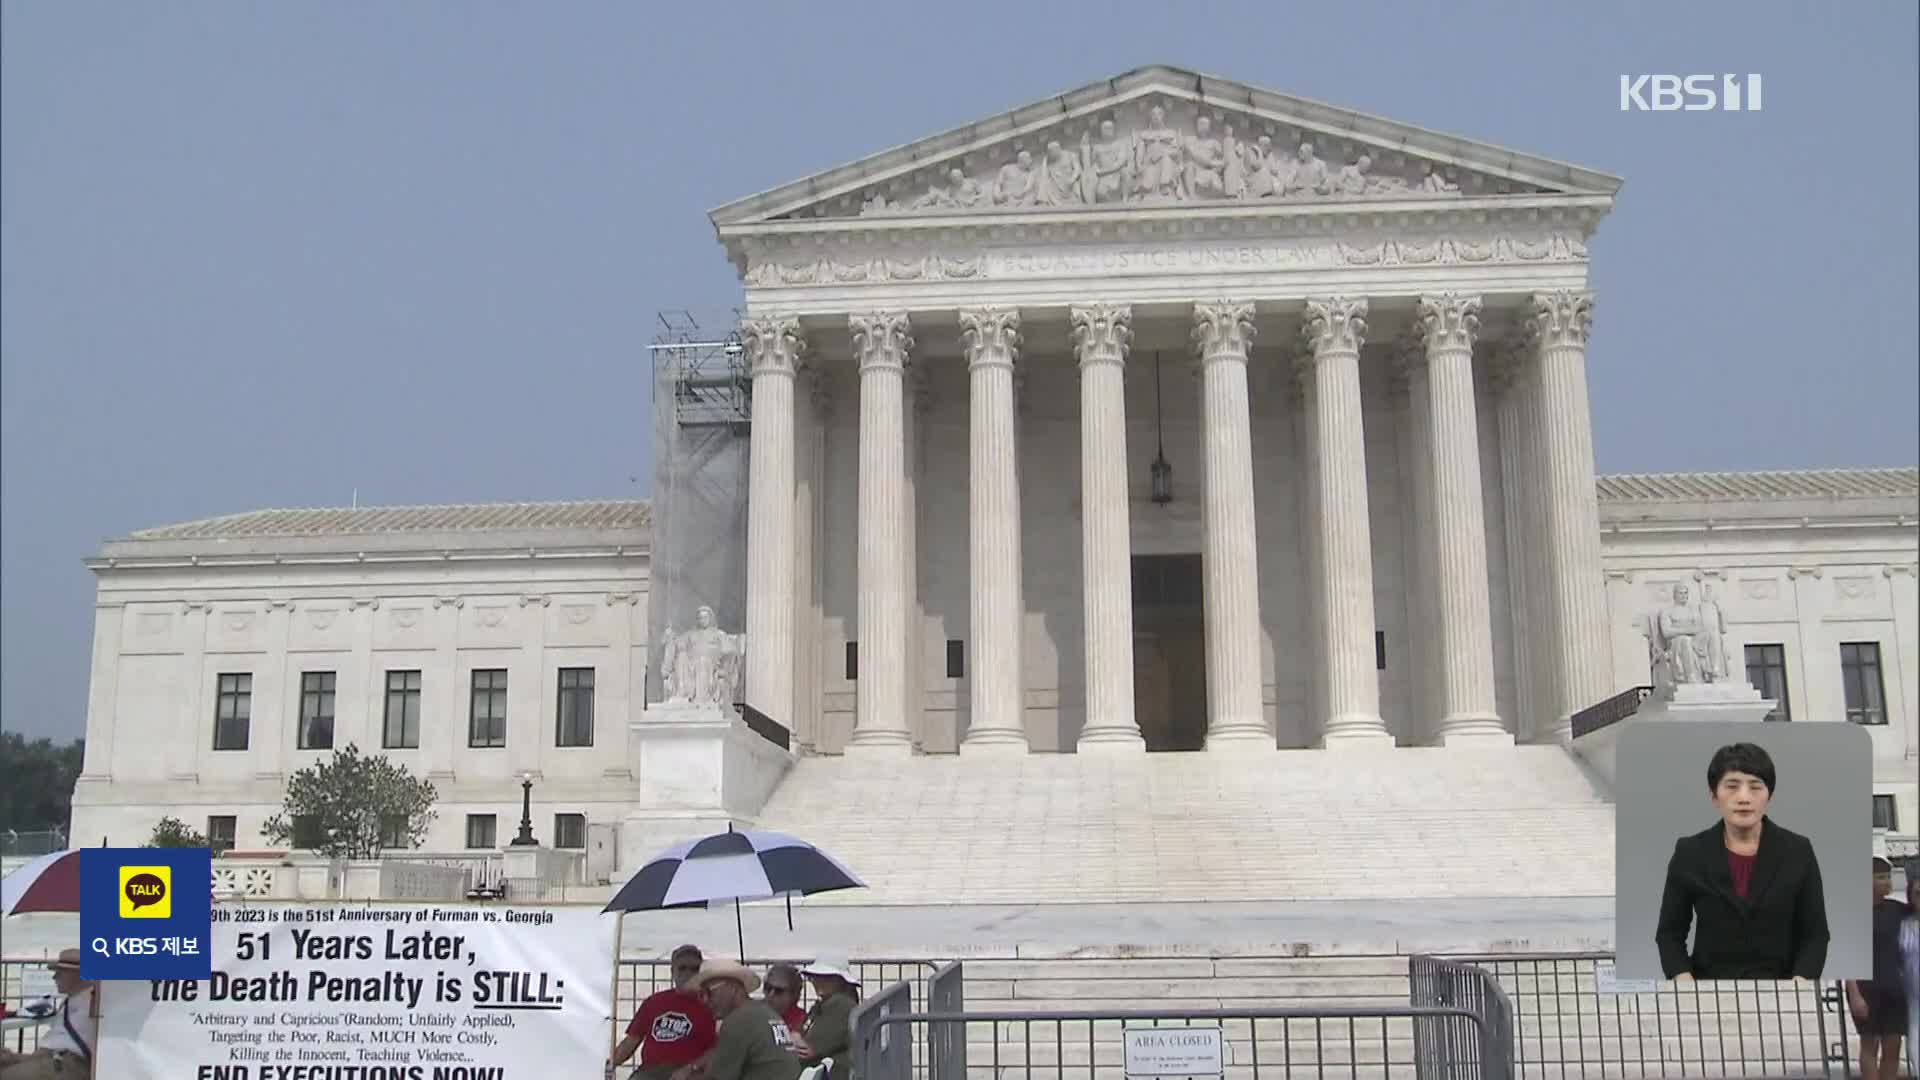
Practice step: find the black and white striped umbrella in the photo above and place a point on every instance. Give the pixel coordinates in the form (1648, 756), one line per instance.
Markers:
(733, 867)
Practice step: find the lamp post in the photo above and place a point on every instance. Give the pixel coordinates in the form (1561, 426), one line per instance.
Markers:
(1161, 472)
(525, 839)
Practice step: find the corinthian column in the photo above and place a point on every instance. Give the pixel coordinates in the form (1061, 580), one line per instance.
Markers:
(1467, 708)
(1560, 325)
(1222, 332)
(1520, 523)
(881, 343)
(1101, 333)
(1335, 329)
(774, 348)
(998, 720)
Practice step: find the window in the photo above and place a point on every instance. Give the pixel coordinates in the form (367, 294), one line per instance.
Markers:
(220, 832)
(1767, 673)
(402, 729)
(570, 831)
(1860, 676)
(573, 720)
(234, 712)
(482, 830)
(316, 710)
(956, 659)
(853, 660)
(1380, 650)
(1886, 814)
(487, 714)
(393, 832)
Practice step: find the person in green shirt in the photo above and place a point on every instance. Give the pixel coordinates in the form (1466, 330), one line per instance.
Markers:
(829, 1033)
(754, 1042)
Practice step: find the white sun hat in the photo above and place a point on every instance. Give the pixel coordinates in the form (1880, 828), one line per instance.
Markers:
(835, 966)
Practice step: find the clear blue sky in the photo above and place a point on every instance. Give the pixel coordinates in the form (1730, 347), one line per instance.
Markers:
(262, 255)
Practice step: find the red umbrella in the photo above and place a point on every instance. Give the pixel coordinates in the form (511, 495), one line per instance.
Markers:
(48, 883)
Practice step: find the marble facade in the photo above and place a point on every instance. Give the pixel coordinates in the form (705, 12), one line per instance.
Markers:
(1361, 346)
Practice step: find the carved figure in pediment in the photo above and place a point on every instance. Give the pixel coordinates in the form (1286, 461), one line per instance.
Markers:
(701, 666)
(1206, 161)
(1018, 183)
(1234, 175)
(1257, 169)
(1308, 176)
(1106, 166)
(877, 204)
(1157, 165)
(1352, 179)
(1059, 177)
(961, 193)
(1432, 181)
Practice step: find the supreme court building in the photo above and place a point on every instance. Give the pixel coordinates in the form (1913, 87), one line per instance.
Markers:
(1173, 413)
(1167, 414)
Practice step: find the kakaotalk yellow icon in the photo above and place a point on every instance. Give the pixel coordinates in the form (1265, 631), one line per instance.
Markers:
(146, 892)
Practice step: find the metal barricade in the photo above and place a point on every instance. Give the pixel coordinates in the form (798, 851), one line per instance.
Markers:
(947, 1041)
(1443, 1046)
(1572, 1019)
(1230, 1044)
(880, 1050)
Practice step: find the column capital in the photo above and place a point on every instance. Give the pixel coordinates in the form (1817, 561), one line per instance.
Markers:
(1102, 333)
(1448, 320)
(1222, 329)
(991, 336)
(881, 339)
(1335, 324)
(774, 344)
(1561, 317)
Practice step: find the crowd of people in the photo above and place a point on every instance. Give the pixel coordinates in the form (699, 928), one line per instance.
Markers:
(709, 1025)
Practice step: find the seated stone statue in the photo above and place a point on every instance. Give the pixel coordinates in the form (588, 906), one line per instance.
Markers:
(1679, 637)
(701, 666)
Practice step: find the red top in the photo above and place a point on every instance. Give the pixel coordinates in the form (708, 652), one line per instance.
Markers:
(1741, 866)
(674, 1028)
(796, 1019)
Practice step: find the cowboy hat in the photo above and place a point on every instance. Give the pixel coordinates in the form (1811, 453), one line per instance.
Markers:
(68, 958)
(831, 967)
(726, 969)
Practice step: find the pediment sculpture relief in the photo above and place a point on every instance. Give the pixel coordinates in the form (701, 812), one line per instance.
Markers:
(1202, 156)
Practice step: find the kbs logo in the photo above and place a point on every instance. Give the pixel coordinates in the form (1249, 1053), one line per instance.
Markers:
(1689, 93)
(146, 892)
(671, 1027)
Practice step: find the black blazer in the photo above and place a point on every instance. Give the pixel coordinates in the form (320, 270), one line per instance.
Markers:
(1777, 932)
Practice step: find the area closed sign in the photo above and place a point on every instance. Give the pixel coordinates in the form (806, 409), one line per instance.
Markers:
(1175, 1051)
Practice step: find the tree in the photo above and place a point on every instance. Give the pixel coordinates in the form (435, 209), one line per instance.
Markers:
(38, 792)
(353, 806)
(172, 832)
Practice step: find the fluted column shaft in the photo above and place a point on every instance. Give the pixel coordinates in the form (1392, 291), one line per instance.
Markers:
(1468, 711)
(881, 344)
(1561, 323)
(1222, 333)
(1539, 564)
(774, 348)
(1335, 329)
(997, 607)
(1101, 333)
(1517, 521)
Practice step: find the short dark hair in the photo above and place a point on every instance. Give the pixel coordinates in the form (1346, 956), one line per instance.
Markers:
(1742, 757)
(685, 951)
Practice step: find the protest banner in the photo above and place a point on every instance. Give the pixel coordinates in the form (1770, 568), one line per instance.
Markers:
(375, 992)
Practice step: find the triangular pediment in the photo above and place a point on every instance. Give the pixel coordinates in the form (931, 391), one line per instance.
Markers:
(1162, 136)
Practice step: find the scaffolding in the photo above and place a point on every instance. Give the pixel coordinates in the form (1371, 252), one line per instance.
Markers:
(702, 413)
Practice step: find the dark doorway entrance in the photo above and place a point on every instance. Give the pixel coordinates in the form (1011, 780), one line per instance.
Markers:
(1169, 652)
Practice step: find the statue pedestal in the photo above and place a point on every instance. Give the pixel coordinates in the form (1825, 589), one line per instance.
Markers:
(700, 768)
(1726, 701)
(1706, 701)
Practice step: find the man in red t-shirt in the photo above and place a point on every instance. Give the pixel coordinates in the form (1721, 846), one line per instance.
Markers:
(673, 1029)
